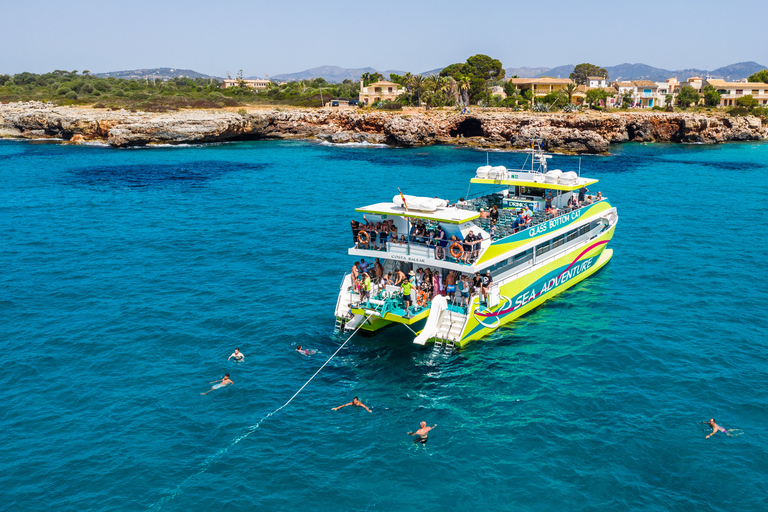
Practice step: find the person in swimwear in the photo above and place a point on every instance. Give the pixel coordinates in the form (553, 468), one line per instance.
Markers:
(355, 402)
(422, 433)
(239, 357)
(224, 382)
(715, 428)
(304, 351)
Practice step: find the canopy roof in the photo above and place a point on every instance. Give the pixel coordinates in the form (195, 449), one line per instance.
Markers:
(537, 182)
(448, 215)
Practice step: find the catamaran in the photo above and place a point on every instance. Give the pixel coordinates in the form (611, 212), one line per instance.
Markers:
(561, 240)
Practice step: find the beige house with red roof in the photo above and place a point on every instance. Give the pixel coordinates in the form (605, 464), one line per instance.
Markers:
(731, 91)
(540, 86)
(380, 91)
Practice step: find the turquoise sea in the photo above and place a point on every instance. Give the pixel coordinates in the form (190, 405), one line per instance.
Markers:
(127, 277)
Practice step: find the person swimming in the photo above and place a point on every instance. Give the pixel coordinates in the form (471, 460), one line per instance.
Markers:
(422, 433)
(224, 382)
(305, 351)
(239, 357)
(354, 402)
(716, 428)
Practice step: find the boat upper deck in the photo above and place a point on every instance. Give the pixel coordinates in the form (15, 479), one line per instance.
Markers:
(446, 214)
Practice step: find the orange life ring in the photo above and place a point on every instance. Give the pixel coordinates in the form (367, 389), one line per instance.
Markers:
(363, 237)
(457, 251)
(421, 298)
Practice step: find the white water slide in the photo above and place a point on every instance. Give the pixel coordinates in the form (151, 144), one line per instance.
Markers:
(439, 304)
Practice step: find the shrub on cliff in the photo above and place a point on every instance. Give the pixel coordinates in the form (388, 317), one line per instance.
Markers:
(686, 96)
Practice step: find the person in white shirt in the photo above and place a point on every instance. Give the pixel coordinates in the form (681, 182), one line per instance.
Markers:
(239, 357)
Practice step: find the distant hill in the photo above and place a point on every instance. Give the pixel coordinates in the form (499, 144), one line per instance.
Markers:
(644, 71)
(336, 74)
(333, 74)
(163, 73)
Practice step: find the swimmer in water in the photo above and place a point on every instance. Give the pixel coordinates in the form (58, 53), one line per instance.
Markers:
(355, 402)
(224, 382)
(305, 351)
(239, 357)
(716, 428)
(422, 433)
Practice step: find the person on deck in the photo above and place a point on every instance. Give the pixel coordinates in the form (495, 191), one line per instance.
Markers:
(378, 270)
(366, 287)
(354, 402)
(494, 215)
(441, 241)
(355, 274)
(376, 236)
(464, 289)
(599, 196)
(450, 284)
(582, 191)
(355, 231)
(405, 289)
(384, 235)
(485, 284)
(363, 265)
(469, 245)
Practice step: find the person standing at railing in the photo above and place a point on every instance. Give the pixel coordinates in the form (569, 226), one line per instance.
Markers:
(582, 192)
(494, 215)
(378, 270)
(384, 235)
(485, 284)
(440, 238)
(464, 289)
(355, 231)
(355, 274)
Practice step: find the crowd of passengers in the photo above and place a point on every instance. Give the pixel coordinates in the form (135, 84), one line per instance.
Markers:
(418, 288)
(379, 233)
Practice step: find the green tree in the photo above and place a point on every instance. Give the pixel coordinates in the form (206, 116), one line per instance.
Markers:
(747, 101)
(711, 96)
(463, 83)
(418, 84)
(686, 96)
(760, 76)
(582, 71)
(595, 96)
(569, 90)
(369, 78)
(480, 70)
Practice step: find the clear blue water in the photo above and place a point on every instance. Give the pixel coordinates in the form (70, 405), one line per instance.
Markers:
(129, 276)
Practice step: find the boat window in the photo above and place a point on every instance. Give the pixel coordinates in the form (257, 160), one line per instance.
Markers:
(543, 248)
(523, 256)
(558, 241)
(571, 235)
(530, 191)
(584, 229)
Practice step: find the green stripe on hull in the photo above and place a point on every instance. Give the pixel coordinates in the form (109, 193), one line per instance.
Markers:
(532, 290)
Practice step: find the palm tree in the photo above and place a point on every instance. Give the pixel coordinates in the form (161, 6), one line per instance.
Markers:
(450, 87)
(464, 89)
(569, 90)
(418, 83)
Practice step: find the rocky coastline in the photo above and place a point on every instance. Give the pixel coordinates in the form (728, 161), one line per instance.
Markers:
(590, 132)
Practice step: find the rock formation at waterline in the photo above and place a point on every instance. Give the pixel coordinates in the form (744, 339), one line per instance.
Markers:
(575, 133)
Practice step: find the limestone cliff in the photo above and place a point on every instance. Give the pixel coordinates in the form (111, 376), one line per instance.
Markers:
(577, 133)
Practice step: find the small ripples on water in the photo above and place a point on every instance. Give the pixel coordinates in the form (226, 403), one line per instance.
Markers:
(130, 276)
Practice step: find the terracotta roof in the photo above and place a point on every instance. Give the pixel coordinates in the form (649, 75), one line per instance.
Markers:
(382, 83)
(596, 78)
(644, 83)
(717, 82)
(527, 81)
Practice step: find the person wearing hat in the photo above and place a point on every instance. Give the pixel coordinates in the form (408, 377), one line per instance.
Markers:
(414, 287)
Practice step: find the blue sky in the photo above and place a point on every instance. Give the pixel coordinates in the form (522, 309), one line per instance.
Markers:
(272, 37)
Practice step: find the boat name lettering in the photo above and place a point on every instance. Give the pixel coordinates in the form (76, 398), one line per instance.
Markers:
(555, 223)
(407, 258)
(531, 294)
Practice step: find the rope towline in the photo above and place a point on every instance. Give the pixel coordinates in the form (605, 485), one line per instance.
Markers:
(210, 460)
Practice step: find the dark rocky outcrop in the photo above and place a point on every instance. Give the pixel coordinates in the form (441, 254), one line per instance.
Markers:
(574, 133)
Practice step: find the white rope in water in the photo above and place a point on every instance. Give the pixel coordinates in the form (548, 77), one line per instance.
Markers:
(210, 460)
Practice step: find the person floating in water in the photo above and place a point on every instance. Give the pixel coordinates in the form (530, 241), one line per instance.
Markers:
(716, 428)
(355, 402)
(422, 433)
(239, 357)
(224, 382)
(305, 351)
